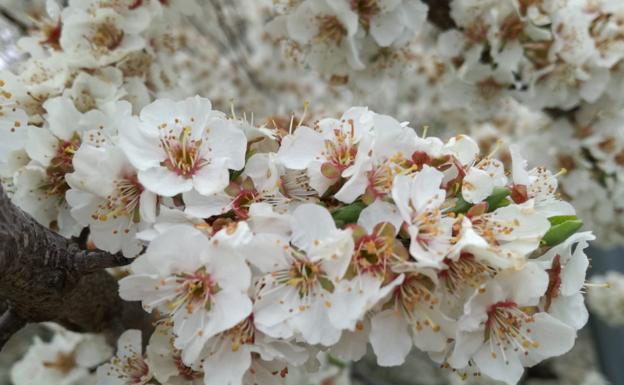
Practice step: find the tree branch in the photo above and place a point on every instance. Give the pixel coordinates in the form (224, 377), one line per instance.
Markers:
(45, 277)
(440, 14)
(91, 261)
(10, 323)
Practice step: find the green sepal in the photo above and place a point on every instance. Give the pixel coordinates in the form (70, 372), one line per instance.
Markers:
(559, 219)
(348, 214)
(562, 228)
(498, 198)
(335, 361)
(327, 284)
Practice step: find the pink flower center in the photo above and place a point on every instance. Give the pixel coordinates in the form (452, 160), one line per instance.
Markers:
(124, 201)
(466, 271)
(340, 152)
(242, 334)
(415, 298)
(194, 291)
(183, 153)
(506, 329)
(132, 370)
(381, 177)
(374, 252)
(243, 200)
(305, 276)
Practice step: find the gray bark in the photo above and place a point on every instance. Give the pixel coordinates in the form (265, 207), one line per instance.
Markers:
(46, 277)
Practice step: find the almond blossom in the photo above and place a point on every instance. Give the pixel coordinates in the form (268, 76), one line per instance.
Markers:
(266, 243)
(193, 286)
(67, 359)
(419, 199)
(181, 146)
(294, 295)
(566, 265)
(106, 196)
(503, 330)
(329, 151)
(98, 36)
(129, 365)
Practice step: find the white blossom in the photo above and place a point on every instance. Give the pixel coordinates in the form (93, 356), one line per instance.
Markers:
(192, 283)
(67, 359)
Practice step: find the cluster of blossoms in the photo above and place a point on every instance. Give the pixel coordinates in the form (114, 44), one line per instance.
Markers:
(66, 359)
(262, 247)
(608, 304)
(265, 247)
(91, 65)
(561, 59)
(345, 37)
(549, 54)
(524, 69)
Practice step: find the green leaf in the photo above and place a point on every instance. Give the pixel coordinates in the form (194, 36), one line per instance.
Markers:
(559, 219)
(348, 214)
(498, 198)
(560, 232)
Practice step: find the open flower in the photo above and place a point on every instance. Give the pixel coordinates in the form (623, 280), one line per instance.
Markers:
(166, 360)
(419, 198)
(327, 29)
(410, 317)
(200, 285)
(129, 366)
(91, 91)
(299, 273)
(537, 184)
(511, 234)
(395, 150)
(180, 146)
(98, 36)
(503, 330)
(388, 21)
(482, 178)
(106, 196)
(277, 185)
(329, 151)
(67, 359)
(231, 357)
(566, 265)
(370, 277)
(51, 148)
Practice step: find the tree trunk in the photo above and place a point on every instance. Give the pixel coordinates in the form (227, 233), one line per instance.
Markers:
(45, 277)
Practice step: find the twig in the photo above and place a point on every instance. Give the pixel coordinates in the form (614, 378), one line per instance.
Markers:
(10, 323)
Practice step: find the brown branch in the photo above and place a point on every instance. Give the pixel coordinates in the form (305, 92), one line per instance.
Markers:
(440, 14)
(45, 277)
(9, 324)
